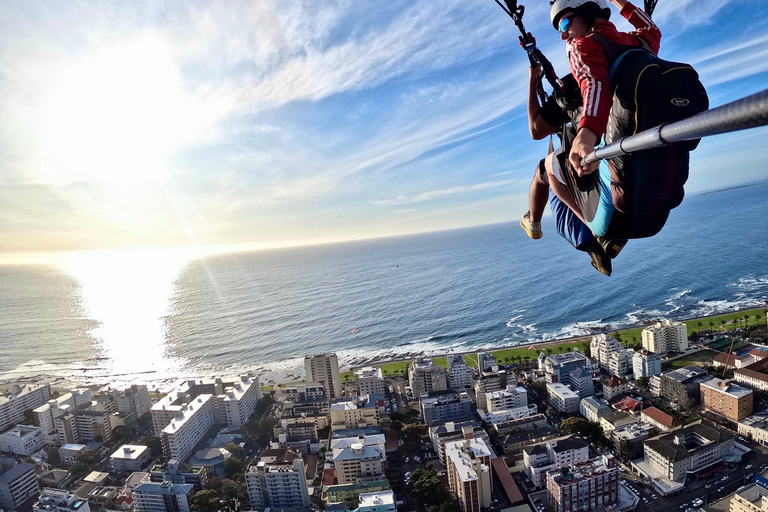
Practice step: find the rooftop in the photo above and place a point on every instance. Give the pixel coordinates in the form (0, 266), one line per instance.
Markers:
(687, 374)
(129, 452)
(614, 382)
(461, 453)
(659, 416)
(372, 499)
(582, 470)
(683, 443)
(16, 471)
(727, 387)
(562, 390)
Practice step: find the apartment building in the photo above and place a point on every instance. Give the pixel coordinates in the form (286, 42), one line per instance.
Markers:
(426, 377)
(752, 375)
(486, 361)
(509, 398)
(751, 498)
(645, 364)
(614, 386)
(470, 477)
(366, 437)
(82, 425)
(593, 408)
(177, 473)
(488, 382)
(727, 399)
(324, 368)
(562, 398)
(70, 452)
(303, 392)
(44, 415)
(460, 375)
(506, 415)
(162, 497)
(187, 428)
(22, 440)
(134, 400)
(369, 381)
(358, 463)
(129, 458)
(18, 485)
(551, 455)
(611, 355)
(657, 418)
(682, 385)
(755, 428)
(451, 431)
(667, 336)
(18, 400)
(588, 485)
(357, 412)
(279, 485)
(448, 405)
(60, 500)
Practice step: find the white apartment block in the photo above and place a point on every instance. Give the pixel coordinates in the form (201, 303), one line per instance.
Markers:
(324, 368)
(233, 400)
(129, 458)
(562, 398)
(354, 413)
(486, 361)
(162, 497)
(646, 364)
(60, 500)
(377, 440)
(488, 382)
(666, 337)
(620, 363)
(468, 464)
(70, 452)
(187, 428)
(358, 463)
(514, 413)
(380, 501)
(305, 392)
(553, 455)
(590, 485)
(510, 398)
(426, 377)
(460, 375)
(755, 427)
(18, 485)
(22, 440)
(369, 381)
(21, 398)
(278, 486)
(602, 346)
(593, 408)
(750, 498)
(43, 416)
(82, 426)
(134, 400)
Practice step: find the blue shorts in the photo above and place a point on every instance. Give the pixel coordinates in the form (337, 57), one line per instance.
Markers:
(605, 208)
(568, 224)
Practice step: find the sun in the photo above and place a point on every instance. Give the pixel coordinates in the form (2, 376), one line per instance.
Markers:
(117, 114)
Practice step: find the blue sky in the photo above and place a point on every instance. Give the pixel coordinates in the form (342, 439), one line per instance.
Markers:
(266, 123)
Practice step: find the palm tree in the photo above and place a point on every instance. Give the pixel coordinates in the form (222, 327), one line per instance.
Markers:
(549, 351)
(758, 317)
(560, 349)
(722, 325)
(711, 326)
(699, 324)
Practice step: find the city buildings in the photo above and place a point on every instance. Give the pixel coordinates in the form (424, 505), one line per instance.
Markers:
(162, 497)
(69, 453)
(426, 377)
(324, 368)
(448, 405)
(573, 369)
(460, 375)
(450, 431)
(21, 398)
(751, 498)
(44, 415)
(588, 485)
(755, 428)
(593, 408)
(729, 400)
(752, 375)
(509, 398)
(129, 458)
(357, 412)
(346, 438)
(614, 386)
(562, 398)
(18, 485)
(488, 382)
(612, 355)
(552, 455)
(278, 484)
(22, 440)
(60, 500)
(468, 464)
(174, 472)
(486, 361)
(668, 459)
(187, 428)
(682, 385)
(302, 392)
(645, 364)
(134, 400)
(82, 425)
(506, 415)
(666, 337)
(358, 463)
(369, 381)
(381, 501)
(537, 421)
(657, 418)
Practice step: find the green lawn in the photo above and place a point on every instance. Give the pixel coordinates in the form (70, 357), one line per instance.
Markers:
(702, 356)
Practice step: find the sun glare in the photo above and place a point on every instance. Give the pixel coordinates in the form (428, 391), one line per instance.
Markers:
(115, 115)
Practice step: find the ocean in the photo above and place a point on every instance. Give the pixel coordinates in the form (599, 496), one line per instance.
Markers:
(153, 318)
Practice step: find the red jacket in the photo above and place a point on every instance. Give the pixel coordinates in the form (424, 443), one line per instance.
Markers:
(590, 68)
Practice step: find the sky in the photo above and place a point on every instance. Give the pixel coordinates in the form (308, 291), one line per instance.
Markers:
(250, 124)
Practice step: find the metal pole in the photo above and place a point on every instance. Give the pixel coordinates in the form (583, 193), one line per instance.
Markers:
(749, 112)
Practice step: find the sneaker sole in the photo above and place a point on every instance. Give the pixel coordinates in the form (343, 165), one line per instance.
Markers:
(531, 234)
(597, 264)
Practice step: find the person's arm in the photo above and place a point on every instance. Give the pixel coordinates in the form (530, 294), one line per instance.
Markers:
(645, 28)
(537, 126)
(619, 3)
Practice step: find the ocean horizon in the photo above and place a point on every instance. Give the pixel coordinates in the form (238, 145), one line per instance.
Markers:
(155, 319)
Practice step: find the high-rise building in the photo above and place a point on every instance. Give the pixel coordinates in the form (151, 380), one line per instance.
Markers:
(187, 428)
(21, 398)
(324, 368)
(448, 405)
(369, 381)
(486, 361)
(44, 415)
(60, 500)
(460, 375)
(426, 377)
(489, 382)
(357, 412)
(589, 485)
(552, 455)
(573, 369)
(134, 400)
(468, 464)
(645, 364)
(602, 346)
(279, 484)
(162, 497)
(562, 398)
(509, 398)
(18, 485)
(666, 337)
(22, 440)
(83, 425)
(358, 463)
(729, 400)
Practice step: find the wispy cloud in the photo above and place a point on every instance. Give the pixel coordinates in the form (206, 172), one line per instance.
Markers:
(435, 194)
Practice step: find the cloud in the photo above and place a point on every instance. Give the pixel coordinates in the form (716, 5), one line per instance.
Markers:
(434, 194)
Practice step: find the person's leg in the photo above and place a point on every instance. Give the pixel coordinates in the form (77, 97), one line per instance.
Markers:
(537, 201)
(558, 186)
(569, 226)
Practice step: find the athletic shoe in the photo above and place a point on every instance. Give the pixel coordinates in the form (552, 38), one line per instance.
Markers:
(611, 247)
(532, 229)
(600, 260)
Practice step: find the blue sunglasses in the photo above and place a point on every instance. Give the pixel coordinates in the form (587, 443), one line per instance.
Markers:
(565, 23)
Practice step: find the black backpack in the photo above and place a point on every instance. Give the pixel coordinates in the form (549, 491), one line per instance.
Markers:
(649, 91)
